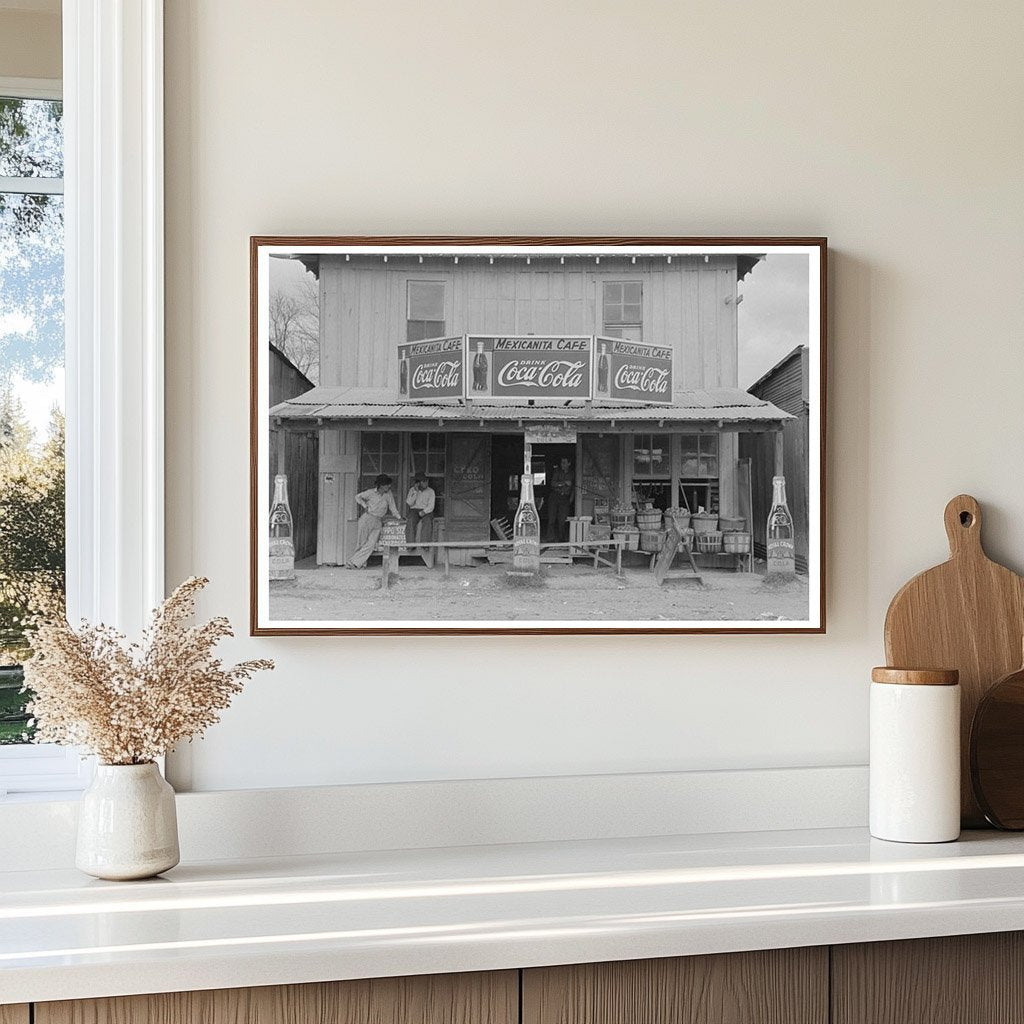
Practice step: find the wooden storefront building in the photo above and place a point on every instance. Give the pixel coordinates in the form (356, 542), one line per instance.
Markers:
(681, 450)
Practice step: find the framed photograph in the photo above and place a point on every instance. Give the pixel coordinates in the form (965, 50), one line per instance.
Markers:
(537, 435)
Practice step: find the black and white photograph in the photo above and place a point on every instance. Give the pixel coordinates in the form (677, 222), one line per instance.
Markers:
(550, 435)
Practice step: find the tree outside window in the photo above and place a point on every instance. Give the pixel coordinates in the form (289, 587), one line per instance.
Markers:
(31, 386)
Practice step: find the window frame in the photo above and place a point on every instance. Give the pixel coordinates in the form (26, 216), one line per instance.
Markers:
(38, 767)
(611, 330)
(112, 90)
(409, 282)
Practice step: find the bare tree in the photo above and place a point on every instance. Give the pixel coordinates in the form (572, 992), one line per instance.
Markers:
(295, 325)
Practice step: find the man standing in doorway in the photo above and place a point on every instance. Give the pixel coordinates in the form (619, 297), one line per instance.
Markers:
(419, 521)
(376, 502)
(561, 486)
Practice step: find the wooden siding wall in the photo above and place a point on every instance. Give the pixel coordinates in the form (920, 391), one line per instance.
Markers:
(788, 384)
(301, 466)
(301, 456)
(787, 387)
(760, 449)
(688, 304)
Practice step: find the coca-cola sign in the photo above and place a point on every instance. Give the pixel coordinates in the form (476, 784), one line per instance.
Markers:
(529, 366)
(628, 371)
(431, 369)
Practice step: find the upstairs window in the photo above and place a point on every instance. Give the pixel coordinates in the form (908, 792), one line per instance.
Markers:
(424, 310)
(622, 310)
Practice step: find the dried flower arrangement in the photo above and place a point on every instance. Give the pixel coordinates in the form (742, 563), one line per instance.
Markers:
(130, 703)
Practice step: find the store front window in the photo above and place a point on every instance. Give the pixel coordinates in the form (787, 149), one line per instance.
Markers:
(698, 473)
(427, 455)
(652, 469)
(379, 452)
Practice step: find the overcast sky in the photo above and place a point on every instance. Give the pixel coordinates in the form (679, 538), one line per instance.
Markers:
(773, 314)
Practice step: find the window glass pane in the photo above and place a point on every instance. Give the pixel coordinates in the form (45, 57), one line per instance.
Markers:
(371, 440)
(31, 392)
(435, 465)
(389, 442)
(612, 293)
(31, 138)
(687, 443)
(631, 292)
(660, 453)
(709, 444)
(417, 330)
(709, 467)
(426, 300)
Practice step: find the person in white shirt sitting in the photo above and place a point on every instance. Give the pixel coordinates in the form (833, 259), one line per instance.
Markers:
(376, 503)
(419, 523)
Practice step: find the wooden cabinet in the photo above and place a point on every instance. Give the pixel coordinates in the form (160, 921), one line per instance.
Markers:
(491, 998)
(778, 986)
(962, 979)
(968, 979)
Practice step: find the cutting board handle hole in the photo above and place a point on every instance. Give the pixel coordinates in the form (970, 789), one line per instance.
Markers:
(966, 518)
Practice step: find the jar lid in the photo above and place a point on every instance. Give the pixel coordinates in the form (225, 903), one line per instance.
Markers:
(916, 676)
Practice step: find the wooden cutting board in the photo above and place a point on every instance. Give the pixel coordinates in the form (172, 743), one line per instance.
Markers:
(967, 614)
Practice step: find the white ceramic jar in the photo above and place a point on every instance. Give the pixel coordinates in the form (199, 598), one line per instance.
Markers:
(127, 823)
(915, 755)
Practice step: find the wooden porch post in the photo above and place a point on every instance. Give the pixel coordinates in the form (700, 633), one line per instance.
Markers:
(281, 434)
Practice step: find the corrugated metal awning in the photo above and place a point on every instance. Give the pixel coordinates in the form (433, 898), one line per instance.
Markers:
(705, 405)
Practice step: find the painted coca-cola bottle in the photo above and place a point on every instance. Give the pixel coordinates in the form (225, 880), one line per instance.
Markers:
(403, 374)
(602, 371)
(526, 531)
(281, 549)
(781, 546)
(480, 369)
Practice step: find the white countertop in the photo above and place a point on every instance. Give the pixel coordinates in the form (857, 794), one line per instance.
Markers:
(298, 919)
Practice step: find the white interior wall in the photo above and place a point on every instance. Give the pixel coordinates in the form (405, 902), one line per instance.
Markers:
(895, 129)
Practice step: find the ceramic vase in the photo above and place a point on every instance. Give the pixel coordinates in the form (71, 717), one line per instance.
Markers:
(127, 825)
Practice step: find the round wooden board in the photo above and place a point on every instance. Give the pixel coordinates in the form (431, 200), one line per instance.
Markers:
(997, 752)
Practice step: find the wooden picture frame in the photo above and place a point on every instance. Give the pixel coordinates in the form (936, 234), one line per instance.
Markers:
(405, 377)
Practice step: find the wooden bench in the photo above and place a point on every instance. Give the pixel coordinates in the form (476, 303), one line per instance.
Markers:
(389, 561)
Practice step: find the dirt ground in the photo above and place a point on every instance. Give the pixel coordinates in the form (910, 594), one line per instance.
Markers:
(564, 592)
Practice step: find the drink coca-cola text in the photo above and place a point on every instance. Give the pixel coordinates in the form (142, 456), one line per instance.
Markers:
(645, 379)
(532, 373)
(439, 375)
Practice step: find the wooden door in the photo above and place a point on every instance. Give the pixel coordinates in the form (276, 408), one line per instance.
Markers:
(959, 979)
(339, 480)
(468, 504)
(483, 998)
(777, 986)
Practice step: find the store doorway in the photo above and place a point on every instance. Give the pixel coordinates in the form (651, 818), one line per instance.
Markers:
(555, 502)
